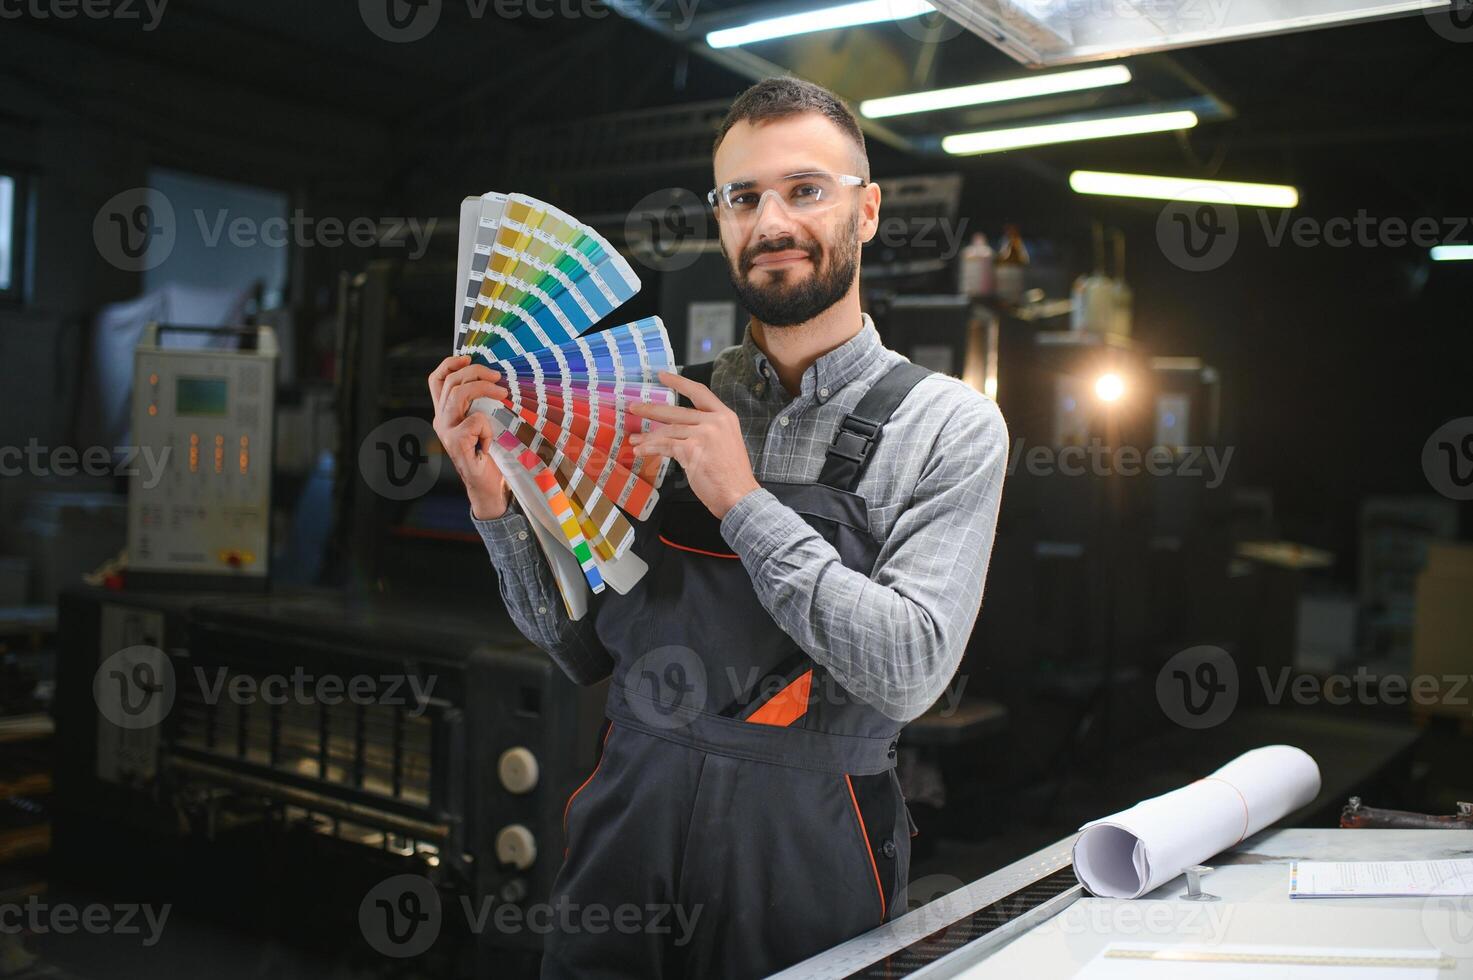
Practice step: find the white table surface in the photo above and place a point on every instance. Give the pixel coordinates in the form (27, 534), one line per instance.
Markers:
(1252, 881)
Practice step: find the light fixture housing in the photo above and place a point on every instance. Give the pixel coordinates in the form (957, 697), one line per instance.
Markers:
(1061, 32)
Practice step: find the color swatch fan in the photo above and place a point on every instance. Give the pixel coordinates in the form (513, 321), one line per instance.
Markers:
(535, 281)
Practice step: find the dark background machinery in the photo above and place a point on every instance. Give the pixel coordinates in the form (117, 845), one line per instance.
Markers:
(281, 817)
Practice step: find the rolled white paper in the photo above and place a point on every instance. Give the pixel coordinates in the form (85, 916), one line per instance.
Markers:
(1134, 851)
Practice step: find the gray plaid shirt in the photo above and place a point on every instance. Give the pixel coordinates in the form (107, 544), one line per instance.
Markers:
(893, 637)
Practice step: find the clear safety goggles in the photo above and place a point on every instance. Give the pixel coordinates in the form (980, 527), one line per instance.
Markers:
(806, 193)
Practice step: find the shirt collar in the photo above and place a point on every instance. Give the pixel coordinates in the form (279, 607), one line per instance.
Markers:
(831, 371)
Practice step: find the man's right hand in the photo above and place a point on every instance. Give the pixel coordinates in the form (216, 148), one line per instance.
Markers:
(467, 435)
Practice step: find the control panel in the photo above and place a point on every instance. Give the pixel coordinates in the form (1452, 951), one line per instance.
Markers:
(205, 415)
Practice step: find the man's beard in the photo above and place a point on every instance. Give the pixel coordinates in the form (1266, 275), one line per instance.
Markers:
(779, 303)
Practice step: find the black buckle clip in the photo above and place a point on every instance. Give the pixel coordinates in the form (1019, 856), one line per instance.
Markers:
(858, 437)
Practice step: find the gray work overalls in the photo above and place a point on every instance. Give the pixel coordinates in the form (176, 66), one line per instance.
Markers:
(745, 812)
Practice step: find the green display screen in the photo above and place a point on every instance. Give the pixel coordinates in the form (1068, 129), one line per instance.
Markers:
(200, 396)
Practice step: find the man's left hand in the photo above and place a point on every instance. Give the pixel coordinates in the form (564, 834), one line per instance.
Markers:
(705, 440)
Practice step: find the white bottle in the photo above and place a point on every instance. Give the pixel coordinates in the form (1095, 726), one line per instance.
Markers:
(975, 276)
(1093, 299)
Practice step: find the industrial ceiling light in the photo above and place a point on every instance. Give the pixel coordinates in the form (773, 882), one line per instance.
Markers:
(824, 19)
(1184, 189)
(1452, 253)
(986, 92)
(993, 140)
(1056, 32)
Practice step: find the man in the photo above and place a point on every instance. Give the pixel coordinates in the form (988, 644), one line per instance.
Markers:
(812, 583)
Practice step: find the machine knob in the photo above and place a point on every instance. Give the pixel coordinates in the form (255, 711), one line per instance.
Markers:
(516, 846)
(518, 769)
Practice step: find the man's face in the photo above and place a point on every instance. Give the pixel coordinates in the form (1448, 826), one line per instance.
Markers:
(788, 266)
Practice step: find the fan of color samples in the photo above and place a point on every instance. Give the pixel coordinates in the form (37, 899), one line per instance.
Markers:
(534, 282)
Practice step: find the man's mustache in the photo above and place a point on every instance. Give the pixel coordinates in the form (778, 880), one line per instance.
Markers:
(749, 255)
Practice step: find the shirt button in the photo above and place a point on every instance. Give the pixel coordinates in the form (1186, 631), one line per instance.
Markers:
(757, 389)
(888, 848)
(541, 610)
(521, 535)
(783, 420)
(823, 393)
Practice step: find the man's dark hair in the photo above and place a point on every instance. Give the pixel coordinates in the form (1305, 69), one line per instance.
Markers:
(779, 98)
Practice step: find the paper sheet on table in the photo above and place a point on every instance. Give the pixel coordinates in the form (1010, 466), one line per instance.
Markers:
(1381, 879)
(1120, 961)
(1132, 852)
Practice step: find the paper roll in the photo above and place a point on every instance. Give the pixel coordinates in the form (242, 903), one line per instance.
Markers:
(1137, 850)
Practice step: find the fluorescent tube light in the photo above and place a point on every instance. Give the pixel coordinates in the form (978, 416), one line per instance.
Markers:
(993, 140)
(1028, 87)
(826, 19)
(1184, 189)
(1452, 253)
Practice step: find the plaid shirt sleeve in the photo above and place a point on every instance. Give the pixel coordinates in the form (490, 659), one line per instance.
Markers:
(894, 637)
(533, 600)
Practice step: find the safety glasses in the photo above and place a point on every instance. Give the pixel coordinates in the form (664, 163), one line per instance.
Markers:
(806, 193)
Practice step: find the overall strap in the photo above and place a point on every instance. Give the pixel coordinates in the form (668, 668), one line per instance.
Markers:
(860, 429)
